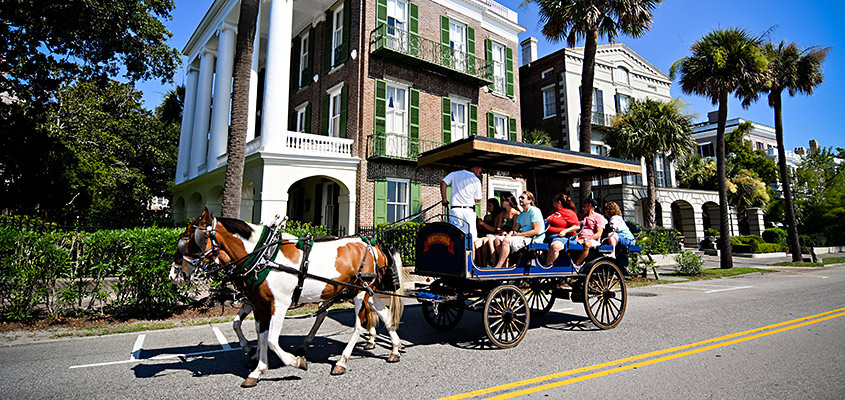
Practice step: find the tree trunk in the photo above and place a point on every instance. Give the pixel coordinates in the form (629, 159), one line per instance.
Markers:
(789, 212)
(585, 134)
(236, 146)
(724, 210)
(649, 176)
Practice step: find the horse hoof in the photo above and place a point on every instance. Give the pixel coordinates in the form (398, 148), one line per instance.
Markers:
(369, 346)
(252, 364)
(338, 370)
(249, 382)
(301, 363)
(393, 358)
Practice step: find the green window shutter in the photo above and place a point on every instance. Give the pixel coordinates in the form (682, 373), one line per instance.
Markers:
(446, 126)
(294, 64)
(324, 117)
(491, 128)
(308, 118)
(347, 20)
(380, 123)
(416, 199)
(344, 93)
(414, 124)
(473, 119)
(414, 28)
(327, 42)
(509, 71)
(471, 50)
(308, 73)
(380, 201)
(445, 51)
(381, 13)
(512, 129)
(489, 45)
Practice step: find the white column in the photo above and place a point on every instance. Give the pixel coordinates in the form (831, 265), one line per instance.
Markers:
(253, 77)
(222, 94)
(186, 135)
(201, 113)
(276, 72)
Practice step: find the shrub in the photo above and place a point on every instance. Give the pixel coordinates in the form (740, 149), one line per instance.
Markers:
(402, 239)
(711, 232)
(659, 241)
(746, 244)
(299, 228)
(768, 248)
(813, 240)
(689, 263)
(775, 235)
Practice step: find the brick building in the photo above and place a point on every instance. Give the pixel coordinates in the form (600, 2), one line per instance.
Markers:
(346, 94)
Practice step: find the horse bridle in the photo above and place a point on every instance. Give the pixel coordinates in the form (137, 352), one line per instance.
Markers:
(201, 237)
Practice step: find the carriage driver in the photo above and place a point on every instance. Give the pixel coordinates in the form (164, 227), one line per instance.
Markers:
(466, 191)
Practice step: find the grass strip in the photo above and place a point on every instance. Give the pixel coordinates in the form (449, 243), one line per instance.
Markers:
(797, 264)
(833, 260)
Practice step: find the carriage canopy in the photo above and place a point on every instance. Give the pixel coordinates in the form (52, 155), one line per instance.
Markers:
(526, 159)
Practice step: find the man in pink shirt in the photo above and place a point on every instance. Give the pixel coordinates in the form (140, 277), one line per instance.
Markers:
(592, 227)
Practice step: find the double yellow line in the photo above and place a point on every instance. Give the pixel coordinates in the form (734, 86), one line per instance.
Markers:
(634, 362)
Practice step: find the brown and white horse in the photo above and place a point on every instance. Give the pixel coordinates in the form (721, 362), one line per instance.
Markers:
(225, 240)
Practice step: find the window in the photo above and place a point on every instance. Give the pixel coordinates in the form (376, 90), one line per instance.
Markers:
(337, 34)
(760, 146)
(458, 44)
(334, 112)
(659, 175)
(622, 103)
(301, 118)
(397, 19)
(598, 108)
(549, 102)
(500, 124)
(499, 83)
(397, 199)
(459, 119)
(620, 75)
(396, 123)
(706, 150)
(600, 150)
(547, 73)
(303, 60)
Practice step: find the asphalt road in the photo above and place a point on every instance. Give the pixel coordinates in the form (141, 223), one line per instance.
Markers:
(776, 335)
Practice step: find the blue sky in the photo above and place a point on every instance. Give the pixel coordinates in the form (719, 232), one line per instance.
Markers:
(677, 25)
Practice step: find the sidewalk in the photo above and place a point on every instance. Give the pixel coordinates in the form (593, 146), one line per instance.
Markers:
(715, 262)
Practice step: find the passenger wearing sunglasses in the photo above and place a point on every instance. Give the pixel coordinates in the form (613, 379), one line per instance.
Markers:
(530, 228)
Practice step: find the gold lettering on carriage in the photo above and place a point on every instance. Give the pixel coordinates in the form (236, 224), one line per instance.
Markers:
(439, 238)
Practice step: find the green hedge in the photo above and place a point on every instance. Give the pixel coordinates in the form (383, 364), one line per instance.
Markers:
(753, 244)
(659, 241)
(775, 235)
(402, 239)
(769, 248)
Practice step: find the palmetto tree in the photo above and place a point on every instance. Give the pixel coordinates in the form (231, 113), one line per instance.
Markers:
(647, 129)
(722, 62)
(573, 20)
(796, 71)
(236, 145)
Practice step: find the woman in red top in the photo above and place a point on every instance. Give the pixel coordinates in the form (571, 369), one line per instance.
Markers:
(563, 224)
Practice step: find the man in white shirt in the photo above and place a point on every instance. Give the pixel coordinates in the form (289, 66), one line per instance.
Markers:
(466, 191)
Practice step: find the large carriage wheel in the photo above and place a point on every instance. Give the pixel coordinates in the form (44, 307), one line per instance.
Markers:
(539, 296)
(605, 296)
(506, 316)
(448, 314)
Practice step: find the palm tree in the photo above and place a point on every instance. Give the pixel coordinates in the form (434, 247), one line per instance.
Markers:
(797, 71)
(236, 146)
(722, 62)
(574, 20)
(649, 128)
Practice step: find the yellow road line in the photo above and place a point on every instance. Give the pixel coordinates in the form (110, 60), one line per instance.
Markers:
(633, 358)
(804, 273)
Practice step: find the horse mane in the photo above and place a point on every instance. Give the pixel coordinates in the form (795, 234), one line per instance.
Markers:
(236, 226)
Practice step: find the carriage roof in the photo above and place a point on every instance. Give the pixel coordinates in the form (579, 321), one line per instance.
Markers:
(527, 159)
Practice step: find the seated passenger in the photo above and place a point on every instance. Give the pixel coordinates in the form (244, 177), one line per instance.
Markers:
(486, 228)
(620, 233)
(530, 222)
(593, 226)
(563, 225)
(503, 224)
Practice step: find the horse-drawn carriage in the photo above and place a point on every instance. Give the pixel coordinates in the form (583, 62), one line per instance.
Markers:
(509, 296)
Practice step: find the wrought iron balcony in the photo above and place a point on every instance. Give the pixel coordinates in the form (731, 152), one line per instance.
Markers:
(601, 119)
(416, 51)
(397, 146)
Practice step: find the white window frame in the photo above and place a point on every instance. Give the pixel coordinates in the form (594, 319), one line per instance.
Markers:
(303, 58)
(503, 185)
(548, 94)
(334, 110)
(458, 44)
(659, 168)
(405, 206)
(599, 149)
(397, 121)
(621, 75)
(500, 121)
(337, 32)
(499, 72)
(460, 127)
(300, 118)
(397, 32)
(623, 108)
(545, 74)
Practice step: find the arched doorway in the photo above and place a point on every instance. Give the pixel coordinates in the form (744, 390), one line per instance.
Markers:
(195, 206)
(319, 200)
(683, 220)
(179, 212)
(710, 215)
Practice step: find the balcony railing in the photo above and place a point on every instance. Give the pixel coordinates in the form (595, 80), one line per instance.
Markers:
(602, 119)
(308, 144)
(398, 146)
(416, 51)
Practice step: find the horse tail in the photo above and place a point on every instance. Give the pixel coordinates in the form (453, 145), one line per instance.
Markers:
(397, 306)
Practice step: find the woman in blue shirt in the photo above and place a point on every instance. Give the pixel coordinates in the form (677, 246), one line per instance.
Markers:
(530, 222)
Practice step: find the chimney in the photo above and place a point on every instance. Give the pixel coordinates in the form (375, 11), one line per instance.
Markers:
(529, 50)
(800, 150)
(814, 146)
(713, 117)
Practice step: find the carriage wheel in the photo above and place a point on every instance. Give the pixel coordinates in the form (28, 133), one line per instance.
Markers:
(605, 296)
(539, 296)
(448, 314)
(506, 316)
